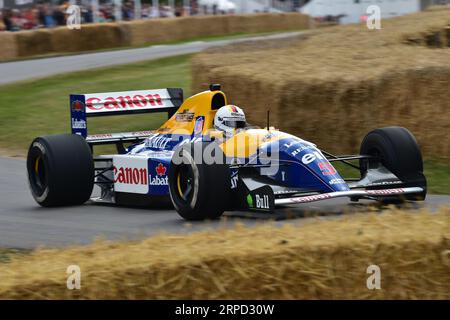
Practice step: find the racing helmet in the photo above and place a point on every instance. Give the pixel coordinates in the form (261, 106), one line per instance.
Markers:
(229, 118)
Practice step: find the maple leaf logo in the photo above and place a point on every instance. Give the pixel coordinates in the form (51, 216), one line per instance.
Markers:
(77, 105)
(161, 170)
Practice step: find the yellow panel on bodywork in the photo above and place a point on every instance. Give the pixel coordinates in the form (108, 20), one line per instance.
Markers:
(195, 106)
(243, 144)
(246, 143)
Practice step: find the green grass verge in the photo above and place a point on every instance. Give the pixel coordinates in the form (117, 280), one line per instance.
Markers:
(40, 107)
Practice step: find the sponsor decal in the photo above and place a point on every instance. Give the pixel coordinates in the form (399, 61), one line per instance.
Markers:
(311, 157)
(250, 201)
(262, 202)
(268, 137)
(327, 169)
(198, 128)
(122, 102)
(158, 154)
(290, 144)
(312, 198)
(133, 176)
(185, 116)
(101, 136)
(161, 170)
(160, 179)
(281, 192)
(235, 112)
(157, 142)
(385, 192)
(300, 149)
(234, 180)
(337, 181)
(261, 199)
(142, 133)
(78, 124)
(130, 174)
(77, 106)
(162, 130)
(383, 183)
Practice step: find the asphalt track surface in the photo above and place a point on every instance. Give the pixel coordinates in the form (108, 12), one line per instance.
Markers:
(23, 224)
(37, 68)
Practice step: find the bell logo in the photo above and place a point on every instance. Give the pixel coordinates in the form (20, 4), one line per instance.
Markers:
(262, 202)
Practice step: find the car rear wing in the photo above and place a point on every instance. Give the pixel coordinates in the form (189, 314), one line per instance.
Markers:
(83, 106)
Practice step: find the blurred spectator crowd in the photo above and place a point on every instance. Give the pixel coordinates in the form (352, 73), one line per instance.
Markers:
(48, 15)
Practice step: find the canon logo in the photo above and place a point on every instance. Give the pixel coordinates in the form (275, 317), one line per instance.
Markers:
(131, 176)
(124, 102)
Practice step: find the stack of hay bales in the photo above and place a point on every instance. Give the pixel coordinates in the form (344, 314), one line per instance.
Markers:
(336, 84)
(142, 32)
(64, 40)
(175, 29)
(9, 46)
(316, 260)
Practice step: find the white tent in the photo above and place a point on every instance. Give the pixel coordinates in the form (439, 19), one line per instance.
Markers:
(353, 10)
(221, 5)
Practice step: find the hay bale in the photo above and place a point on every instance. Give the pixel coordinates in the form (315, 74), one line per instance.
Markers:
(345, 80)
(175, 29)
(447, 33)
(89, 37)
(267, 22)
(153, 31)
(318, 260)
(34, 43)
(144, 32)
(9, 46)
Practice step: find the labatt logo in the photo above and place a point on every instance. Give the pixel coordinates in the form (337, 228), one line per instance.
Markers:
(161, 179)
(78, 124)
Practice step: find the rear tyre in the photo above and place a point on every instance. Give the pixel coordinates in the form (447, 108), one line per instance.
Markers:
(398, 151)
(60, 170)
(199, 189)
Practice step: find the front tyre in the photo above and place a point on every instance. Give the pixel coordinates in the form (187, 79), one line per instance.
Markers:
(60, 170)
(199, 188)
(397, 150)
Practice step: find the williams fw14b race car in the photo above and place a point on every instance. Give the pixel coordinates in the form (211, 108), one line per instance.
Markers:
(204, 171)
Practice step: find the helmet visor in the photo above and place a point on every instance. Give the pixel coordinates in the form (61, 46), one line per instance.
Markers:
(235, 124)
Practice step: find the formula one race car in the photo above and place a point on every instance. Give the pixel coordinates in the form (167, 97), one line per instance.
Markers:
(204, 171)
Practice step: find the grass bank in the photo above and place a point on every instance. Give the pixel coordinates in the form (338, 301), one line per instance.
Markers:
(334, 85)
(39, 107)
